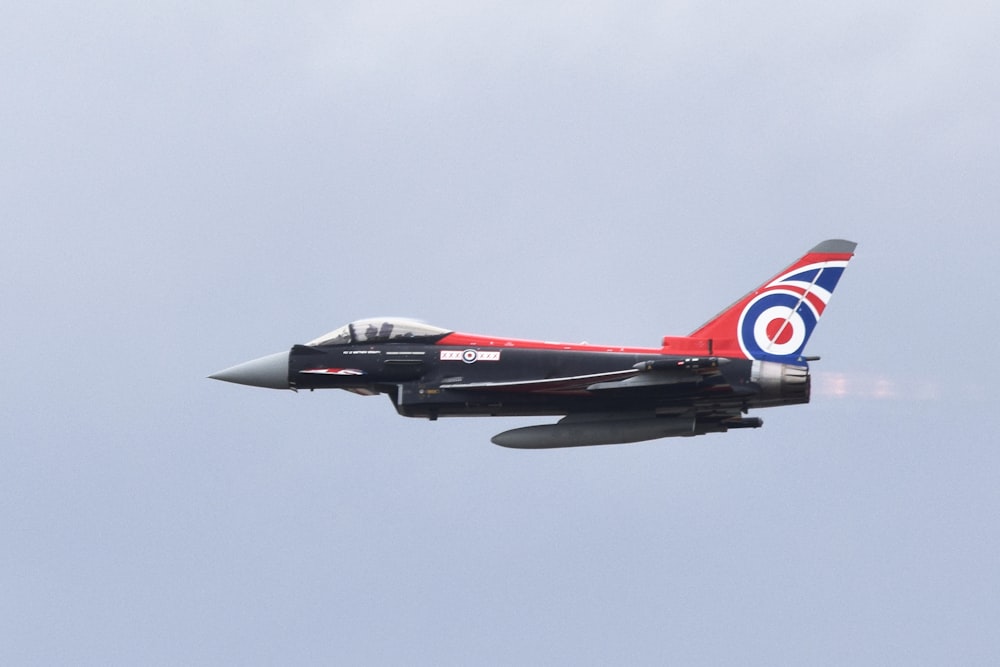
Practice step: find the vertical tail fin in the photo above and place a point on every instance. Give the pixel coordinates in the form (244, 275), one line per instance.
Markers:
(774, 322)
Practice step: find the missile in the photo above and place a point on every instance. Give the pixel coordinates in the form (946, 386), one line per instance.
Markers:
(743, 422)
(690, 364)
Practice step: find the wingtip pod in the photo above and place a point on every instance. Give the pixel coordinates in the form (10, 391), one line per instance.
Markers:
(774, 321)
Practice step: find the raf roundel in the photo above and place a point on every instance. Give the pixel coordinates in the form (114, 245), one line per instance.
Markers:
(777, 323)
(779, 330)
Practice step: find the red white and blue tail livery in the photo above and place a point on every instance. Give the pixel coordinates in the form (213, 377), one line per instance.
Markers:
(751, 355)
(774, 322)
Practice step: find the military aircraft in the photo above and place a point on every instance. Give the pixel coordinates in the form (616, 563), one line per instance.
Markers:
(749, 356)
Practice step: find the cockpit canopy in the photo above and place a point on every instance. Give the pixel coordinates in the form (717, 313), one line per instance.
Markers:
(379, 330)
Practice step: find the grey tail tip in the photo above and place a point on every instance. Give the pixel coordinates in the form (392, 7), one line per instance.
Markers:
(835, 246)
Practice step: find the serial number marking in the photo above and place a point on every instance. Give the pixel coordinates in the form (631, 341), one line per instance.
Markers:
(470, 356)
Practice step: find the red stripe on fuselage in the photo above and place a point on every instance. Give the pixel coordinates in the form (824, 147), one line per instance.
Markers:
(475, 340)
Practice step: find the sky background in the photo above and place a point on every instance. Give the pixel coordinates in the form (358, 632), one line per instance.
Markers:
(186, 186)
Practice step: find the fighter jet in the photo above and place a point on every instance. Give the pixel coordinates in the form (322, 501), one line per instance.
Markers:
(749, 356)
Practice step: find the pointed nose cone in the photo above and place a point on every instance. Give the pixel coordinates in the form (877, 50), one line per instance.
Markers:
(270, 371)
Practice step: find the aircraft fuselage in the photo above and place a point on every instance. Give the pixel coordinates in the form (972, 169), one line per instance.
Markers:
(751, 355)
(430, 380)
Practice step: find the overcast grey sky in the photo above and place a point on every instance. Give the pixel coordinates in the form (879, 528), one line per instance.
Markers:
(190, 185)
